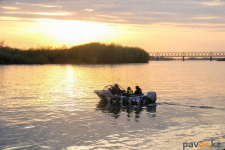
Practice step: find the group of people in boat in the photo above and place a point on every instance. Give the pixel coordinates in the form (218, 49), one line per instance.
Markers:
(137, 91)
(116, 90)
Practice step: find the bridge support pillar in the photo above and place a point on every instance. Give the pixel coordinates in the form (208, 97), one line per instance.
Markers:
(183, 58)
(210, 58)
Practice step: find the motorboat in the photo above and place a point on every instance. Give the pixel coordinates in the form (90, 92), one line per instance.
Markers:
(123, 97)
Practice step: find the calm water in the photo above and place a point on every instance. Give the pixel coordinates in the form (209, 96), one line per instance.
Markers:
(54, 107)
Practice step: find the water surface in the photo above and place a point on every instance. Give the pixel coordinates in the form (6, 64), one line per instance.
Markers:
(54, 107)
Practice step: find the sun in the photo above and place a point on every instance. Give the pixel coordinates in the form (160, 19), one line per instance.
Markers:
(71, 32)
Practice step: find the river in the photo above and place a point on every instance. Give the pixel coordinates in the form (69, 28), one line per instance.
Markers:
(54, 107)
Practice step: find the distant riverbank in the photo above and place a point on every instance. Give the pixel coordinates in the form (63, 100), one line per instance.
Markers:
(222, 59)
(91, 53)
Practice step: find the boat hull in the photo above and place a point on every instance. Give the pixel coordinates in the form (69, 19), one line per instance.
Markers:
(150, 98)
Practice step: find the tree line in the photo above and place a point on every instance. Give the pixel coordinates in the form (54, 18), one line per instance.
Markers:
(91, 53)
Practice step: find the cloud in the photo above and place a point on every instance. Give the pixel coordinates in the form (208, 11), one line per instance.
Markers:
(9, 18)
(7, 7)
(88, 10)
(41, 13)
(142, 12)
(214, 3)
(205, 18)
(38, 5)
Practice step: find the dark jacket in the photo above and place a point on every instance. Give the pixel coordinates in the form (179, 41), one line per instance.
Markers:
(138, 91)
(115, 90)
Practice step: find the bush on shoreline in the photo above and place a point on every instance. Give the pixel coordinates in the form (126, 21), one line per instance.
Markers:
(91, 53)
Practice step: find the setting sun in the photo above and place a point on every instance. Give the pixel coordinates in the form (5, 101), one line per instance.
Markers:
(70, 32)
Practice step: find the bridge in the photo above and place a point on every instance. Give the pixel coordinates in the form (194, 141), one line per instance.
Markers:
(187, 54)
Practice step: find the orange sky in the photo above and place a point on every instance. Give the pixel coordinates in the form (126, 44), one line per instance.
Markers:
(153, 25)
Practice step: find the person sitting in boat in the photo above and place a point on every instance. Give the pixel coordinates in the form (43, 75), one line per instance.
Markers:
(129, 91)
(115, 89)
(138, 90)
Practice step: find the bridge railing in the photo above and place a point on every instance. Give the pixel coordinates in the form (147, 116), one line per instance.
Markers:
(187, 54)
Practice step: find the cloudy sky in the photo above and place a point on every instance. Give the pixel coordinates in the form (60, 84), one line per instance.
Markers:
(155, 25)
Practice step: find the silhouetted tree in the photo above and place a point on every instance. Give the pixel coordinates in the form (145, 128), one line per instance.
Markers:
(2, 43)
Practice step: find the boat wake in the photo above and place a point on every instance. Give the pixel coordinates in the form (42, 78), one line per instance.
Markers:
(193, 106)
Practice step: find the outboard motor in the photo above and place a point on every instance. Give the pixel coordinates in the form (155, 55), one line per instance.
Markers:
(151, 97)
